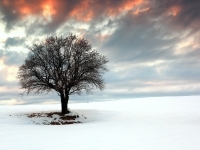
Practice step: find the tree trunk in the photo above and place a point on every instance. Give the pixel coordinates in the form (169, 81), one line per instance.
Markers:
(64, 103)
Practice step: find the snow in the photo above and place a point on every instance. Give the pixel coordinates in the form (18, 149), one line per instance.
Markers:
(140, 124)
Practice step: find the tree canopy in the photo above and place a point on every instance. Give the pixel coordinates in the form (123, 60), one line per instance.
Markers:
(65, 65)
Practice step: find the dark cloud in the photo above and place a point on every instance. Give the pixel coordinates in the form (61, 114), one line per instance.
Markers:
(9, 16)
(139, 39)
(181, 13)
(14, 41)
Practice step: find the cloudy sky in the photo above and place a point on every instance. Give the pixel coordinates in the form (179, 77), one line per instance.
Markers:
(153, 45)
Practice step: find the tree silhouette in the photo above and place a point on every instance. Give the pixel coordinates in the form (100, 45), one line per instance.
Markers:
(65, 65)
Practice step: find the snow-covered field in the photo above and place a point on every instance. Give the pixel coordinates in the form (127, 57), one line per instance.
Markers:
(168, 123)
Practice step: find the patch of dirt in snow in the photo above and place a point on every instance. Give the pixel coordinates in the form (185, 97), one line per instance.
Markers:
(55, 118)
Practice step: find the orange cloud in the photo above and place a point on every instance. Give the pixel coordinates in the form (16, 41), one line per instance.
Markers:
(87, 10)
(82, 10)
(25, 10)
(138, 11)
(24, 7)
(5, 2)
(174, 10)
(130, 4)
(126, 5)
(48, 8)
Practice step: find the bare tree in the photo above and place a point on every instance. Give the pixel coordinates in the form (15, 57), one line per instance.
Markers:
(65, 65)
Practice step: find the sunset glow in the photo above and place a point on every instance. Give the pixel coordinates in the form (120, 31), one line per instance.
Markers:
(130, 4)
(125, 6)
(174, 11)
(25, 10)
(48, 9)
(5, 2)
(82, 12)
